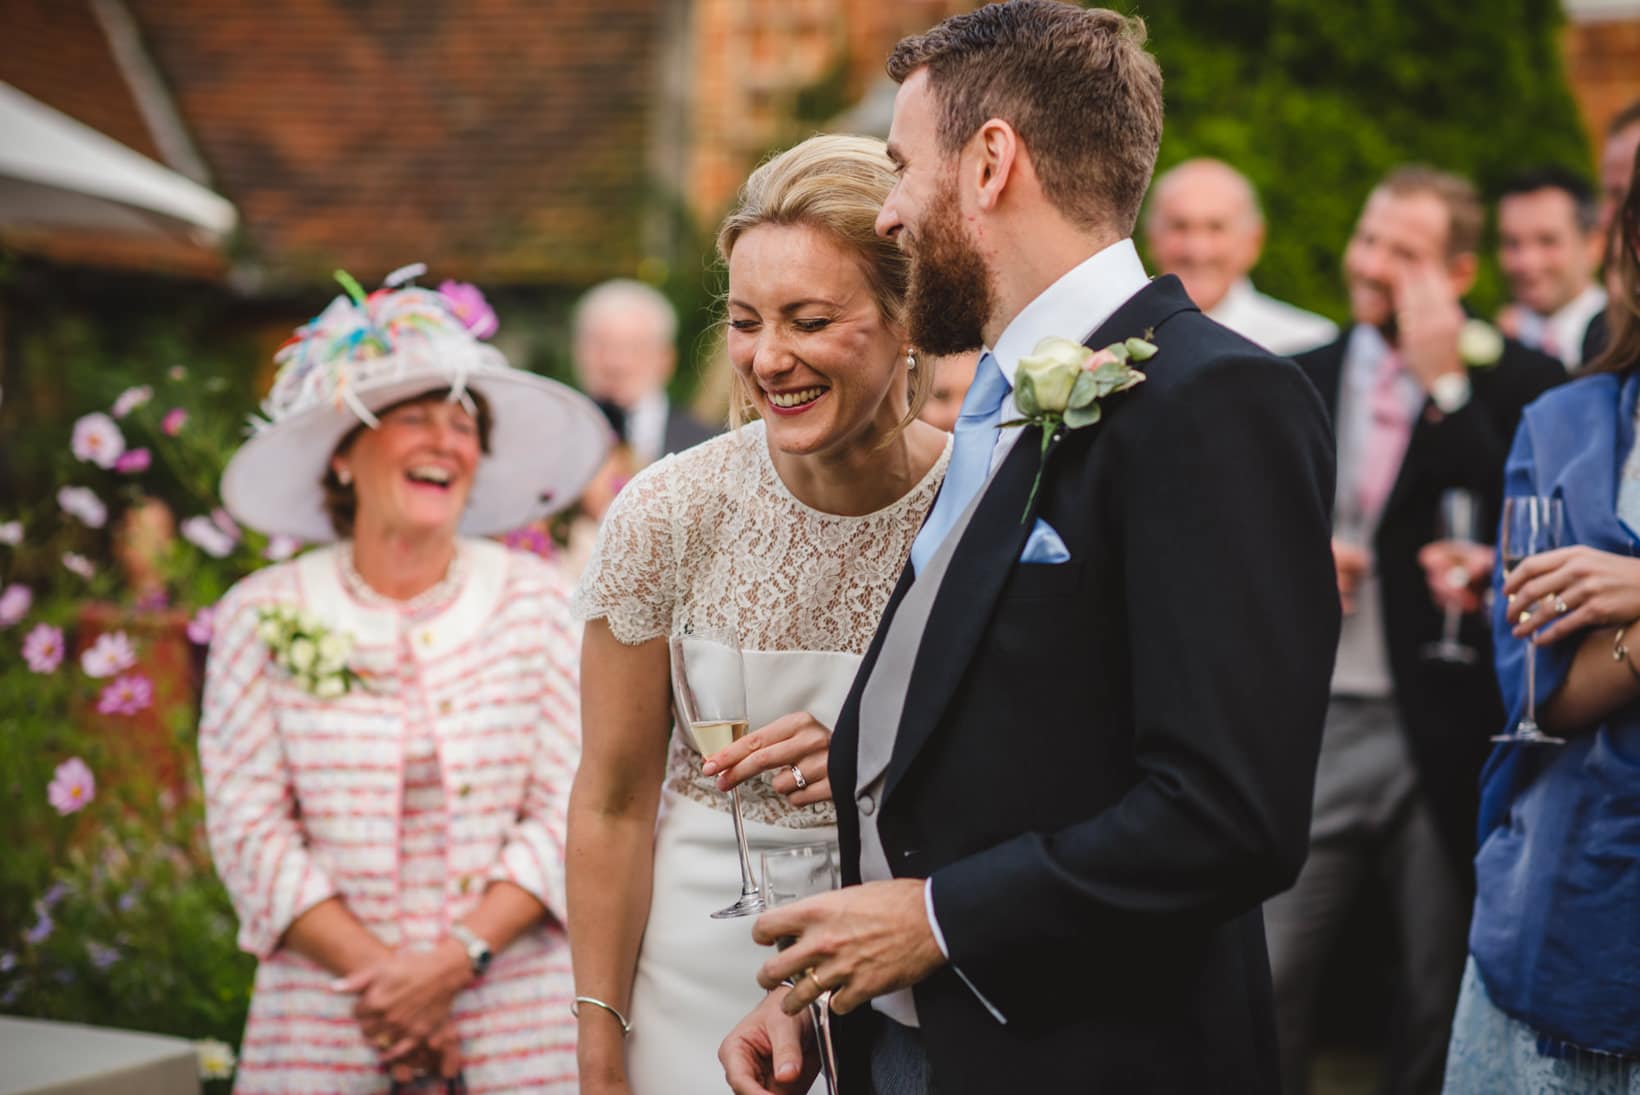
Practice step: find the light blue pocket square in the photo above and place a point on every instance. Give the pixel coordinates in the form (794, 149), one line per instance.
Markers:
(1044, 546)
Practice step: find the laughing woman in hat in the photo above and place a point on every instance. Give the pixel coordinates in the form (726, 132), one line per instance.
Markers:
(390, 721)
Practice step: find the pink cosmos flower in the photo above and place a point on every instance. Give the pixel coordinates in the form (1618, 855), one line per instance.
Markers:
(174, 420)
(83, 504)
(469, 305)
(133, 461)
(72, 787)
(11, 532)
(131, 399)
(78, 564)
(112, 653)
(15, 603)
(126, 695)
(43, 648)
(204, 534)
(97, 440)
(202, 626)
(220, 518)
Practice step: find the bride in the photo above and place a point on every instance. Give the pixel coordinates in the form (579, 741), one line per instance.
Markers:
(792, 530)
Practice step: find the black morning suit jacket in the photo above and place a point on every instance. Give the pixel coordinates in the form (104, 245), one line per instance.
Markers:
(1106, 765)
(1448, 712)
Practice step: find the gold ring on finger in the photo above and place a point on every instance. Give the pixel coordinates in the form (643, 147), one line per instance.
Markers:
(383, 1041)
(820, 988)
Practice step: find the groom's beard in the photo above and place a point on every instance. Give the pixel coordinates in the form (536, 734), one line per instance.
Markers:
(950, 297)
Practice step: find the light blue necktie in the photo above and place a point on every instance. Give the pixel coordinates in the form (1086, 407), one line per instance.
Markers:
(976, 439)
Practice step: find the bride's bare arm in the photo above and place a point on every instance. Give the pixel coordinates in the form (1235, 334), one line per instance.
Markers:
(625, 717)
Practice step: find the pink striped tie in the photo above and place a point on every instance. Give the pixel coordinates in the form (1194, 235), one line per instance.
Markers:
(1389, 428)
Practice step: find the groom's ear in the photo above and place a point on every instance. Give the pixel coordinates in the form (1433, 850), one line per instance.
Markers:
(997, 153)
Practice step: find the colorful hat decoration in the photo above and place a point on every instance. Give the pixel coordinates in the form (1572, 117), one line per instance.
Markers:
(367, 352)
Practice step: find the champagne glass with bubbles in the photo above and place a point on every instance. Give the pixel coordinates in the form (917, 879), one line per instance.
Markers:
(1458, 521)
(1530, 525)
(709, 691)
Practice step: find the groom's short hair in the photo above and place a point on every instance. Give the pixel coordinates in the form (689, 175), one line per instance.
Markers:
(1077, 85)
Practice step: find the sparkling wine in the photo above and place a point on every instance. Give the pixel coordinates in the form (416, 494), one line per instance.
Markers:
(710, 737)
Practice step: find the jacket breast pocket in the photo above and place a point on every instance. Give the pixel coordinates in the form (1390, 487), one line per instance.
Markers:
(1028, 582)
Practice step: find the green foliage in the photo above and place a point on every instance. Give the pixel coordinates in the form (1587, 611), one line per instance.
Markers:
(1315, 102)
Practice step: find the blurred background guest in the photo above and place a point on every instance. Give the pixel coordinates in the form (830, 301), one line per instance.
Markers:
(625, 347)
(1417, 410)
(952, 377)
(1616, 157)
(390, 722)
(1551, 994)
(1203, 223)
(1549, 249)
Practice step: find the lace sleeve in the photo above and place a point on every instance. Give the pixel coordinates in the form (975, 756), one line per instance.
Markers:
(631, 579)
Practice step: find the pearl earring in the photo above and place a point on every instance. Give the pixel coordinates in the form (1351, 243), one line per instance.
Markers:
(910, 359)
(344, 477)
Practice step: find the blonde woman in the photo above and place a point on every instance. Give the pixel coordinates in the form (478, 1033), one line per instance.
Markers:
(792, 530)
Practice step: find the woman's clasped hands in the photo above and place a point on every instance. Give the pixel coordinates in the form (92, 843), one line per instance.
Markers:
(403, 1007)
(793, 747)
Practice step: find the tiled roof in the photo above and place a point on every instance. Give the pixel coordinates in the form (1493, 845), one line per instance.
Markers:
(500, 140)
(57, 52)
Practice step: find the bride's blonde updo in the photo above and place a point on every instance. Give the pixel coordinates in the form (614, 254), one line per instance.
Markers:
(836, 184)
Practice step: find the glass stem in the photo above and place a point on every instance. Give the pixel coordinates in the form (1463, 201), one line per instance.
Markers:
(1449, 627)
(1531, 682)
(748, 885)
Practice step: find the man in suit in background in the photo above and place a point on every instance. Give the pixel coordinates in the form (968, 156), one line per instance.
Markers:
(1080, 750)
(1203, 223)
(1549, 248)
(1395, 795)
(625, 348)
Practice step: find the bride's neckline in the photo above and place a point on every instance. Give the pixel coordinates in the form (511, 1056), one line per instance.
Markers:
(766, 461)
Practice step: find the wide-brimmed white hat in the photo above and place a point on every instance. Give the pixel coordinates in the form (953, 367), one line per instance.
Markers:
(365, 353)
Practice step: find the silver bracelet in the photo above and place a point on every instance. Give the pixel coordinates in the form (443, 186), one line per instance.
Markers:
(575, 1010)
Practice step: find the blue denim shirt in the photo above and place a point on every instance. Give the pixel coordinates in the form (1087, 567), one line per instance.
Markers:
(1556, 932)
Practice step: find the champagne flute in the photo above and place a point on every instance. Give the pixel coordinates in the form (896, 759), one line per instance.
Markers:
(1530, 525)
(1458, 524)
(791, 874)
(709, 689)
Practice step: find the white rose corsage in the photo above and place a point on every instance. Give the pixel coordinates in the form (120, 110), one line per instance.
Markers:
(312, 654)
(1480, 344)
(1060, 385)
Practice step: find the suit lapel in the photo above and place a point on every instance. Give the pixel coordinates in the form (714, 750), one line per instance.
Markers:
(989, 548)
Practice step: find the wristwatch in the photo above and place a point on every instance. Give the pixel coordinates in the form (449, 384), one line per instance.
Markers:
(478, 951)
(1451, 391)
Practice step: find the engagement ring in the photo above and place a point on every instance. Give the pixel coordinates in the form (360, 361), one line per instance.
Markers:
(797, 774)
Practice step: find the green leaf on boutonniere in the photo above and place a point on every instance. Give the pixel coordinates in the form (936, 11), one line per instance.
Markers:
(1025, 395)
(1139, 349)
(1077, 417)
(1084, 391)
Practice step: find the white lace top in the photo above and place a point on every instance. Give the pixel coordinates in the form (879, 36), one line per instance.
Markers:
(712, 538)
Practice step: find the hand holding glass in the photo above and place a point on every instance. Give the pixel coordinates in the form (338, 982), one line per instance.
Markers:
(1457, 524)
(1530, 525)
(791, 874)
(709, 690)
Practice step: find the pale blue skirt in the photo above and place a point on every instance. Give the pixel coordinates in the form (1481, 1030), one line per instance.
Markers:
(1492, 1053)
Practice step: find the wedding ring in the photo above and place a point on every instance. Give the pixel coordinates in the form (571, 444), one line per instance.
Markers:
(818, 986)
(383, 1041)
(1560, 606)
(797, 774)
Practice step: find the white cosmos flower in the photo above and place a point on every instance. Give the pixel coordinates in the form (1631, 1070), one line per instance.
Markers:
(97, 440)
(83, 504)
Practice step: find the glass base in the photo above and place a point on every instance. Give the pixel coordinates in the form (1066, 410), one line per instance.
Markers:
(1449, 651)
(750, 904)
(1528, 733)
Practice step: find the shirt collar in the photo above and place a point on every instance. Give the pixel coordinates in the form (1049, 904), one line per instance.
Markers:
(1075, 305)
(1236, 299)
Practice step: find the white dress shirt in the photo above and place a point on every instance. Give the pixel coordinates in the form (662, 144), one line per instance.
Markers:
(1562, 333)
(646, 427)
(1274, 324)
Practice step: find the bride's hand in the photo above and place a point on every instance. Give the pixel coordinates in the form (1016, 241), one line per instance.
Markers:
(789, 745)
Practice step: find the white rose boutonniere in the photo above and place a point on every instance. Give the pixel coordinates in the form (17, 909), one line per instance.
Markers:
(1479, 344)
(1060, 385)
(312, 654)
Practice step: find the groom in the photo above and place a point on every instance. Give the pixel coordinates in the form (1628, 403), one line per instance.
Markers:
(1081, 748)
